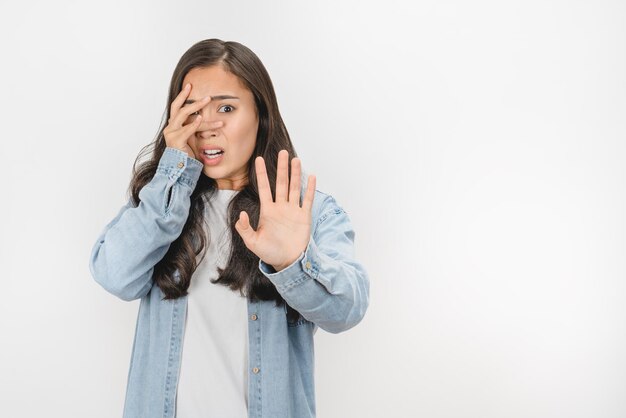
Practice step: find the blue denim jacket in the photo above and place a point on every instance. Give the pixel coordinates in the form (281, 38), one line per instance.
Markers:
(326, 285)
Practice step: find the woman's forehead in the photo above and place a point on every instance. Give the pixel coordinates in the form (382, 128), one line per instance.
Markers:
(215, 80)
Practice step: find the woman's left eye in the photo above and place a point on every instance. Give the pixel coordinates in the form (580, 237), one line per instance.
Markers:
(228, 106)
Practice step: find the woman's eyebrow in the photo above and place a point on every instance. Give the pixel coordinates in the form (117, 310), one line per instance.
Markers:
(221, 97)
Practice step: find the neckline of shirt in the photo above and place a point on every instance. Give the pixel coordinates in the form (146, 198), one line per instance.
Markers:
(227, 192)
(224, 194)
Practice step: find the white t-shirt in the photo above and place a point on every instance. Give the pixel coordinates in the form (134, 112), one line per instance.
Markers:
(213, 378)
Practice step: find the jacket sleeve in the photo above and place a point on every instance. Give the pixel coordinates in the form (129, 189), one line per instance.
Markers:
(124, 255)
(326, 285)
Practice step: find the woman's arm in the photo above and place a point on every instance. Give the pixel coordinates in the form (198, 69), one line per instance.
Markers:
(123, 258)
(326, 284)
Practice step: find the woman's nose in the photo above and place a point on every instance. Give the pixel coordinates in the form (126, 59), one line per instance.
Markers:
(209, 128)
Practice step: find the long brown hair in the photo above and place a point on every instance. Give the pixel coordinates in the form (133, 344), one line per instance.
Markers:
(242, 270)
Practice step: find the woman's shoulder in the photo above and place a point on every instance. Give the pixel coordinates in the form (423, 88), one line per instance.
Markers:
(323, 198)
(324, 203)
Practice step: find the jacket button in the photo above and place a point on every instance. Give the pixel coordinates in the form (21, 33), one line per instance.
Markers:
(255, 370)
(181, 164)
(254, 317)
(308, 264)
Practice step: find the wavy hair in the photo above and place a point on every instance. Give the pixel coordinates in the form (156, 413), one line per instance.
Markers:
(241, 272)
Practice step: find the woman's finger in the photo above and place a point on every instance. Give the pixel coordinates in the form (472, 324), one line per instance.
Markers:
(190, 128)
(281, 176)
(183, 113)
(294, 184)
(177, 103)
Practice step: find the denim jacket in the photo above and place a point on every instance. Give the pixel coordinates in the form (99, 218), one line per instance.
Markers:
(326, 285)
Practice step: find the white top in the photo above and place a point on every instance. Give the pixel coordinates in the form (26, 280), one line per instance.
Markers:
(213, 378)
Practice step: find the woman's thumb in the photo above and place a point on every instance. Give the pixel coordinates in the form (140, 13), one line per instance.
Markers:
(243, 227)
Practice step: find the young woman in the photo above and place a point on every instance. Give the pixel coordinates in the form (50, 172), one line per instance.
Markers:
(237, 258)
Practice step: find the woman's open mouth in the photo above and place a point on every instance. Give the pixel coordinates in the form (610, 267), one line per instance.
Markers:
(212, 157)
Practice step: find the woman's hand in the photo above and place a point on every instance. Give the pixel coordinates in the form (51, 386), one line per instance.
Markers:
(284, 227)
(178, 135)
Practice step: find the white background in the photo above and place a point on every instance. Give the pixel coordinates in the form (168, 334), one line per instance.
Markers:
(478, 148)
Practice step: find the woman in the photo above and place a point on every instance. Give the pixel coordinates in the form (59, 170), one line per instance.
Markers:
(237, 258)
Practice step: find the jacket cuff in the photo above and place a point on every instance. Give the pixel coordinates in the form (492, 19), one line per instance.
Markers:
(305, 267)
(178, 165)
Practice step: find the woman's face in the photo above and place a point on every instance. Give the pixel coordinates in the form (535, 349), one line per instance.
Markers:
(237, 134)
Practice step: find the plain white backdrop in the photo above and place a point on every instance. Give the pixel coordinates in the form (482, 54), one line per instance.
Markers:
(478, 148)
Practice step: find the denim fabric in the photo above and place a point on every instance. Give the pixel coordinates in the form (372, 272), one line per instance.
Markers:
(326, 285)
